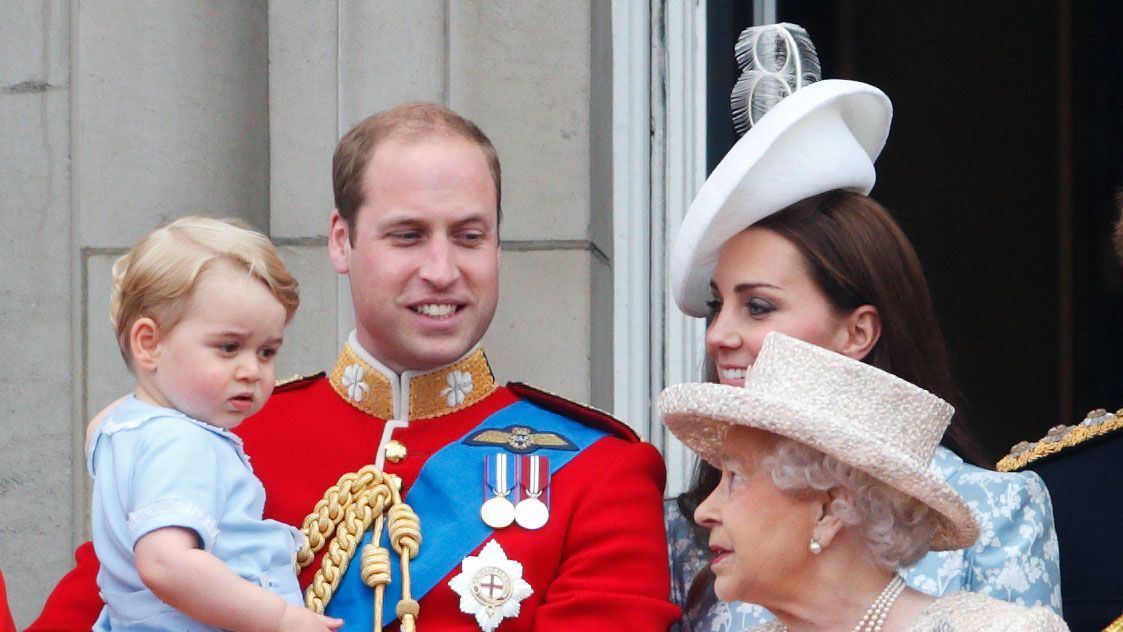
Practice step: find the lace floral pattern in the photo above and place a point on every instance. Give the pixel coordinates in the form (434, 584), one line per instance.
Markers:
(970, 612)
(1016, 558)
(965, 611)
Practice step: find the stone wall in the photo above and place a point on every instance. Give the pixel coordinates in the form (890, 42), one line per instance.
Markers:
(118, 116)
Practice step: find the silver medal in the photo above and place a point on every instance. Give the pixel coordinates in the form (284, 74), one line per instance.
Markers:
(531, 513)
(498, 512)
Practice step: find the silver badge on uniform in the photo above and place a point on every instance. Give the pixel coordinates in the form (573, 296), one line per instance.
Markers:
(490, 586)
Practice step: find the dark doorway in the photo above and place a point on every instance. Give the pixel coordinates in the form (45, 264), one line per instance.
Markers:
(1002, 166)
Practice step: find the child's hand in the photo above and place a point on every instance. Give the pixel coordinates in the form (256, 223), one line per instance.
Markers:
(297, 619)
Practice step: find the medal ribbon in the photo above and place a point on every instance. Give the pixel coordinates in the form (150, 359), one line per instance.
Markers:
(534, 474)
(447, 500)
(499, 480)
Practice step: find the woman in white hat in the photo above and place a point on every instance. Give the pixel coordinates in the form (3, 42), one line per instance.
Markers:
(783, 237)
(826, 494)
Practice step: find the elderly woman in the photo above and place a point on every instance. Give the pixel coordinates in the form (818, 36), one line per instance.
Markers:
(782, 237)
(826, 494)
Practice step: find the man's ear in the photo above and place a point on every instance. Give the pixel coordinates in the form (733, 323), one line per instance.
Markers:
(828, 525)
(144, 344)
(339, 243)
(863, 330)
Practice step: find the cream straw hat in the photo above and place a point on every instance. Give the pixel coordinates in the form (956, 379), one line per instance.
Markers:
(824, 136)
(856, 413)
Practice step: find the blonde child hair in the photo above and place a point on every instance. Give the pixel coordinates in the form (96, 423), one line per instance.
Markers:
(157, 277)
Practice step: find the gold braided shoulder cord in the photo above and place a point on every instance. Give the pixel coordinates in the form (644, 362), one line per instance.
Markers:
(347, 509)
(1060, 438)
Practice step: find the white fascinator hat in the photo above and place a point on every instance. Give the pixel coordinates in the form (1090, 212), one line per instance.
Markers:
(804, 137)
(860, 415)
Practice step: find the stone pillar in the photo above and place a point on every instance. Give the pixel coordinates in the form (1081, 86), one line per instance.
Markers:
(116, 117)
(39, 297)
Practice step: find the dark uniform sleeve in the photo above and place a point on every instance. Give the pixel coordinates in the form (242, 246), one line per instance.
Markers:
(75, 603)
(1081, 465)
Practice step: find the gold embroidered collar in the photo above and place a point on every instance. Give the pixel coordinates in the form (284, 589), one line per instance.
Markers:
(368, 385)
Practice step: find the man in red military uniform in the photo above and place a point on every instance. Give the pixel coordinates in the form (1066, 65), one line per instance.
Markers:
(534, 513)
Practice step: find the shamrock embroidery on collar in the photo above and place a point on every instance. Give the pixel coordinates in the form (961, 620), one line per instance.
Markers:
(352, 380)
(459, 385)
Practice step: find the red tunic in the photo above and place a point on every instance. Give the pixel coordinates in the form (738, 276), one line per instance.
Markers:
(600, 561)
(6, 623)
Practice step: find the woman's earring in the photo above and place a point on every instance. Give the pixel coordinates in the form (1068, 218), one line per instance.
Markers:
(815, 547)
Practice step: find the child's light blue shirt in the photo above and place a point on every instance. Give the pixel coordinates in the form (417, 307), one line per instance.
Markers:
(155, 467)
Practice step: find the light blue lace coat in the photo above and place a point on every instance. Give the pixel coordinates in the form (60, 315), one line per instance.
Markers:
(1016, 558)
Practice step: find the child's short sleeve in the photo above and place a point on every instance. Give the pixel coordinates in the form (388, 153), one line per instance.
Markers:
(175, 480)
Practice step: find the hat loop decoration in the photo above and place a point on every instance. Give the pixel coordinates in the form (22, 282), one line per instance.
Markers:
(862, 416)
(775, 61)
(347, 510)
(804, 137)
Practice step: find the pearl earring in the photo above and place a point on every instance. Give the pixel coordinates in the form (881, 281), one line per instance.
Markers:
(815, 547)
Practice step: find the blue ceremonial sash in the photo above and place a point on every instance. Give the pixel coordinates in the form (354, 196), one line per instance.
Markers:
(447, 499)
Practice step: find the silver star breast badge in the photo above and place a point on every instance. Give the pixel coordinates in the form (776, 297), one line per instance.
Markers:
(490, 586)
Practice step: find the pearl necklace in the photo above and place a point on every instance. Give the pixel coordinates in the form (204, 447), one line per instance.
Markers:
(879, 609)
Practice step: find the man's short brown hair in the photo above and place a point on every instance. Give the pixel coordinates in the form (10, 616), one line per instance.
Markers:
(409, 121)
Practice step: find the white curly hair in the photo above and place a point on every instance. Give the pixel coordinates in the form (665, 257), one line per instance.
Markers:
(896, 528)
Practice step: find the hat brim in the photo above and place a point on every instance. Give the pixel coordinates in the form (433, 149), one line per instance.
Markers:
(700, 415)
(823, 137)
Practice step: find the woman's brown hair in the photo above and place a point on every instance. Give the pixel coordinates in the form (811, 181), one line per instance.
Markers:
(858, 255)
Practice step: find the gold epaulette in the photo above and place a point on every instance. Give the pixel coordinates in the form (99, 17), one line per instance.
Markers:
(1115, 626)
(295, 380)
(1097, 423)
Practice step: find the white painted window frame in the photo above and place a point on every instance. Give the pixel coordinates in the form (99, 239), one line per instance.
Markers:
(659, 161)
(764, 12)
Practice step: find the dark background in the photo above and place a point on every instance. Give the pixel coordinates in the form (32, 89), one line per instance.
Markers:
(1001, 166)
